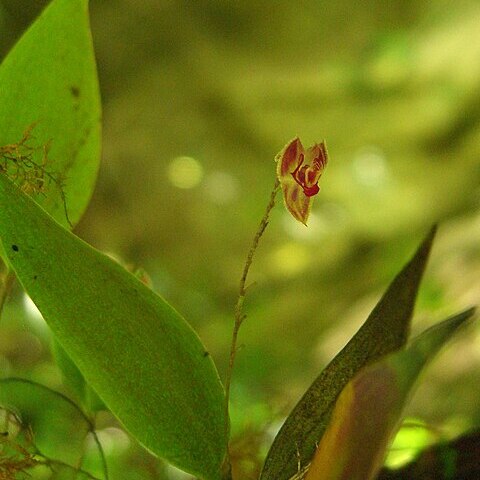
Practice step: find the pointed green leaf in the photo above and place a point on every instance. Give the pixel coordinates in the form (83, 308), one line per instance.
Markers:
(385, 330)
(49, 79)
(369, 408)
(137, 352)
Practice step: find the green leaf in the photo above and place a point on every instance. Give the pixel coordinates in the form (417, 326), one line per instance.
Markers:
(370, 406)
(137, 352)
(49, 79)
(385, 331)
(74, 379)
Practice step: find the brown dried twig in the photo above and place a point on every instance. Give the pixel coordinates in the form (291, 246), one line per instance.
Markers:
(19, 162)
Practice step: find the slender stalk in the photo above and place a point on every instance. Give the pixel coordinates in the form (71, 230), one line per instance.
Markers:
(239, 316)
(50, 463)
(88, 421)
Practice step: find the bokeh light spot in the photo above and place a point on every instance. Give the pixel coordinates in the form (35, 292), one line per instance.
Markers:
(289, 259)
(222, 188)
(317, 228)
(33, 313)
(185, 172)
(413, 437)
(370, 168)
(113, 440)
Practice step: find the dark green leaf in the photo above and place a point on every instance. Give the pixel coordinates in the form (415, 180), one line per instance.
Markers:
(369, 408)
(385, 331)
(137, 352)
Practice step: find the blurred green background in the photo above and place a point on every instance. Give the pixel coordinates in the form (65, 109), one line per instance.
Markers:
(198, 97)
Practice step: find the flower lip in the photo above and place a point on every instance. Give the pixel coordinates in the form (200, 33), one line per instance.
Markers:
(311, 191)
(307, 176)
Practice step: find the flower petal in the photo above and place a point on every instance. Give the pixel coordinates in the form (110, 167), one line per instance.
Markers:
(287, 159)
(297, 203)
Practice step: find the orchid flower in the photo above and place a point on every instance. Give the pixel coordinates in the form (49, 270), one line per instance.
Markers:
(298, 172)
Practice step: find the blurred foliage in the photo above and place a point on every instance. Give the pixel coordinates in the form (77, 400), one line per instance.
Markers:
(198, 98)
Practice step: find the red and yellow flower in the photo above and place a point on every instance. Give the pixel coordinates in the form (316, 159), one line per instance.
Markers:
(298, 171)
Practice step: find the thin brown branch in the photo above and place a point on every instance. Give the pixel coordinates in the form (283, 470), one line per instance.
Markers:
(51, 464)
(88, 421)
(239, 315)
(17, 161)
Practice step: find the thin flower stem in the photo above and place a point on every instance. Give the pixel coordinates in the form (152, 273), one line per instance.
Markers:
(239, 315)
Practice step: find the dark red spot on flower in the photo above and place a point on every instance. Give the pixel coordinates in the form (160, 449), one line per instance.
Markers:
(305, 175)
(311, 191)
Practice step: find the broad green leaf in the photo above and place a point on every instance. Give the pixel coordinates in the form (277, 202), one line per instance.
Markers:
(385, 331)
(137, 352)
(49, 80)
(369, 408)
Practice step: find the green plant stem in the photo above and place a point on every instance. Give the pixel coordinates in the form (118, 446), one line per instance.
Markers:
(88, 421)
(50, 463)
(239, 316)
(5, 287)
